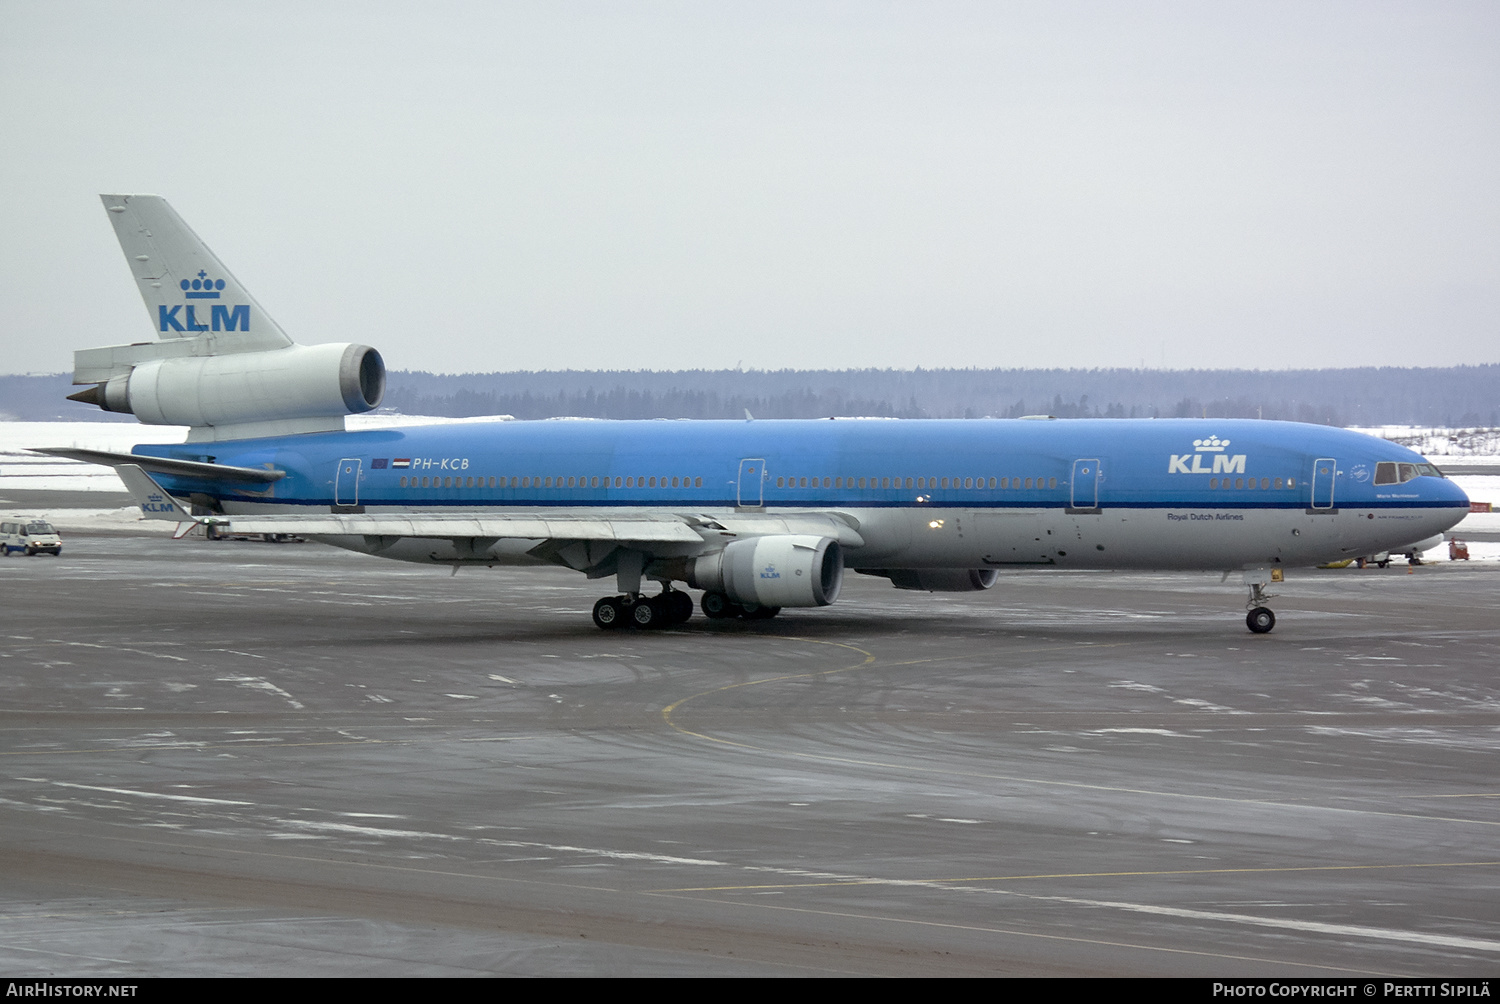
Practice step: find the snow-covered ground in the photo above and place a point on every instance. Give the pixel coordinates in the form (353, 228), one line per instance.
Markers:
(20, 470)
(1472, 446)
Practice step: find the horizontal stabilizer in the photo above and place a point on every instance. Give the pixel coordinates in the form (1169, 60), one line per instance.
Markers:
(154, 500)
(165, 465)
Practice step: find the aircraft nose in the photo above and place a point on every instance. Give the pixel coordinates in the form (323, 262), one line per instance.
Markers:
(1447, 491)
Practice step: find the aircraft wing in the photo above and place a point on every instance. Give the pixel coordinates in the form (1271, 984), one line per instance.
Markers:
(633, 528)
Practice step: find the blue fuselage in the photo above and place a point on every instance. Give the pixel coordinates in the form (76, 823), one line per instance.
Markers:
(1166, 464)
(916, 494)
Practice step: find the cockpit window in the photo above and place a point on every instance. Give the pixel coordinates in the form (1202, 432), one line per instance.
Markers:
(1394, 474)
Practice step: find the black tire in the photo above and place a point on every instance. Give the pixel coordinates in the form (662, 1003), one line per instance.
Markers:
(608, 615)
(1260, 620)
(716, 606)
(31, 552)
(762, 613)
(681, 607)
(646, 614)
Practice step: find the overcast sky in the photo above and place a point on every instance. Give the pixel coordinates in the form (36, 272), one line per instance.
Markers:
(497, 186)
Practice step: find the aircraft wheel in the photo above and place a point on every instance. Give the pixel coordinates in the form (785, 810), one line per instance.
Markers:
(646, 614)
(608, 615)
(1260, 620)
(716, 606)
(681, 607)
(762, 613)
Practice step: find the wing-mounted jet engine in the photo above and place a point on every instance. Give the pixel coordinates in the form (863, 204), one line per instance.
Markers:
(759, 576)
(222, 366)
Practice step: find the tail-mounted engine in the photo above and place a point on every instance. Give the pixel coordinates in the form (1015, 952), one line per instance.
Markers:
(289, 385)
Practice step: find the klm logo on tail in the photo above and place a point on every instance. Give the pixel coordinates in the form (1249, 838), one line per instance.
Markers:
(221, 317)
(1222, 463)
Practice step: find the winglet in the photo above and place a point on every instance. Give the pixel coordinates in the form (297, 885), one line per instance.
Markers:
(155, 501)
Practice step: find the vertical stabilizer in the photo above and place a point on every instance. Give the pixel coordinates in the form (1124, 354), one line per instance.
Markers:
(188, 291)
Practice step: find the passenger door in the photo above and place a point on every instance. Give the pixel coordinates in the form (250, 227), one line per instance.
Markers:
(1325, 469)
(752, 483)
(346, 482)
(1085, 486)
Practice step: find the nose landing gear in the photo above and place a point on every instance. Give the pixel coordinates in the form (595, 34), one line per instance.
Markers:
(1260, 619)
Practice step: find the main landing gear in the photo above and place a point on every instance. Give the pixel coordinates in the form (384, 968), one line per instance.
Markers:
(1260, 619)
(634, 610)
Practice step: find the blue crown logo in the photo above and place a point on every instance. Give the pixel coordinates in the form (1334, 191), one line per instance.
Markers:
(202, 288)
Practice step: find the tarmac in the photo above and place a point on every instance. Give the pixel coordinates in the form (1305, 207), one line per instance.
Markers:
(234, 758)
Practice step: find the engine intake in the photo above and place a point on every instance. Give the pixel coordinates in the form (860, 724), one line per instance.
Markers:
(778, 571)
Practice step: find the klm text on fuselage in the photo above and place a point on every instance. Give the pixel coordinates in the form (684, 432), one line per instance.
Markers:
(1222, 465)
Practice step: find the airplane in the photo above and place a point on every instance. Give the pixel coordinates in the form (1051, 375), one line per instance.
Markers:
(759, 515)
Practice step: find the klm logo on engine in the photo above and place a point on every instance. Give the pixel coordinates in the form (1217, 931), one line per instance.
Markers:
(1213, 447)
(220, 317)
(770, 572)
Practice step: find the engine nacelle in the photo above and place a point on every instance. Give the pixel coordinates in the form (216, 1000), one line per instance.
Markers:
(788, 570)
(297, 382)
(939, 580)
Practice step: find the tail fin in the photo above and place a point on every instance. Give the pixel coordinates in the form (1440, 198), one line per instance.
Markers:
(187, 290)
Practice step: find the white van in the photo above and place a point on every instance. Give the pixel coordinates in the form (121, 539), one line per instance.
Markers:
(34, 536)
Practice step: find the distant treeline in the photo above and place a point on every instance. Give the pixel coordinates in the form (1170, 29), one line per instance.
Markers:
(1448, 396)
(1453, 396)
